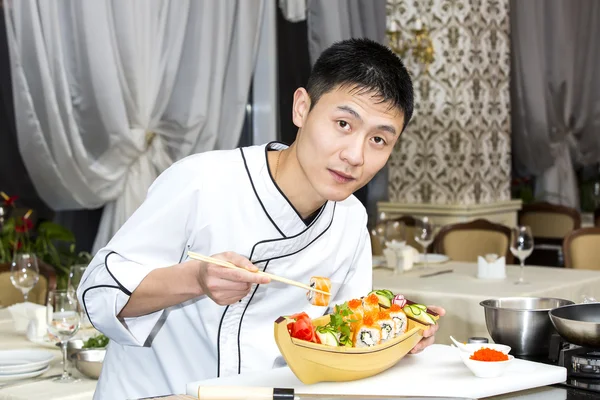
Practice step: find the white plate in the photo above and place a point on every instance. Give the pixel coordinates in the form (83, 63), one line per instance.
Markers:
(22, 361)
(24, 375)
(433, 258)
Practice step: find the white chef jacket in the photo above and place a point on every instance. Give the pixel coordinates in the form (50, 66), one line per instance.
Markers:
(210, 203)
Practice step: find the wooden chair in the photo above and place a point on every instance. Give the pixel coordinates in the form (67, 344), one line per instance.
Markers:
(548, 220)
(549, 224)
(376, 248)
(465, 241)
(582, 249)
(10, 295)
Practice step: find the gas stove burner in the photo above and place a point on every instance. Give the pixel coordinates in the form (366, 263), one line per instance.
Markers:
(588, 363)
(580, 362)
(588, 384)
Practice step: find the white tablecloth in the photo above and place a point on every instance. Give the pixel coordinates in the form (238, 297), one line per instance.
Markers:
(43, 389)
(460, 292)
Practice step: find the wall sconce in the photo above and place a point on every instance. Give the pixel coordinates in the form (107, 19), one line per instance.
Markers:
(420, 45)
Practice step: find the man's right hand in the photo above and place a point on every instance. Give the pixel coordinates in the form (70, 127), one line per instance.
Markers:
(225, 285)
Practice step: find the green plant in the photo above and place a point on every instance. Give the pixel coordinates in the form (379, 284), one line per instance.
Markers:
(522, 188)
(52, 243)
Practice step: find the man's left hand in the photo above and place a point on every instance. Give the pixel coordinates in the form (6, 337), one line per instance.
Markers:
(429, 333)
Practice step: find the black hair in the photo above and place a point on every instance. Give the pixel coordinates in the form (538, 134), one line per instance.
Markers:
(367, 67)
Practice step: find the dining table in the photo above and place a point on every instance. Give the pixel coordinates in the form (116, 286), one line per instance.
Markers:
(455, 286)
(452, 285)
(41, 387)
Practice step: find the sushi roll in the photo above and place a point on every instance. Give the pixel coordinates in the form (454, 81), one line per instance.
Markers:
(386, 323)
(399, 318)
(356, 306)
(366, 333)
(371, 303)
(319, 299)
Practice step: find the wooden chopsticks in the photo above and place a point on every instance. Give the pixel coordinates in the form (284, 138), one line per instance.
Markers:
(227, 264)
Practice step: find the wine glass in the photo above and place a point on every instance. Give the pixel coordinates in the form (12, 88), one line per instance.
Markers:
(521, 246)
(396, 230)
(379, 232)
(424, 235)
(24, 272)
(75, 274)
(63, 321)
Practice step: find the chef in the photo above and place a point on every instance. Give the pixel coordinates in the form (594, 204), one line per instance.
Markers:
(285, 210)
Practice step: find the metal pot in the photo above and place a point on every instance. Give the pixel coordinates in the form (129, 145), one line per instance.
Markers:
(521, 322)
(578, 323)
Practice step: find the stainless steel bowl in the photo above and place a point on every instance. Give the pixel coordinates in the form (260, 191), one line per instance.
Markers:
(522, 322)
(89, 362)
(73, 346)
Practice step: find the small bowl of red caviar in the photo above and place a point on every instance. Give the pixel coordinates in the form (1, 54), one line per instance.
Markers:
(486, 362)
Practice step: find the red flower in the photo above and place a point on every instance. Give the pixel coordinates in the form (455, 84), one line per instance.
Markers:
(23, 225)
(11, 201)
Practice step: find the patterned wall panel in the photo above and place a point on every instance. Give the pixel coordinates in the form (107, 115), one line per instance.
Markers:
(457, 148)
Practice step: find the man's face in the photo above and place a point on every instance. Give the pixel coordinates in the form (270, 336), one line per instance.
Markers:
(344, 140)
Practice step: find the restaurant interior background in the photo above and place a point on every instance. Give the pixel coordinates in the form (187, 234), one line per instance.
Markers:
(507, 101)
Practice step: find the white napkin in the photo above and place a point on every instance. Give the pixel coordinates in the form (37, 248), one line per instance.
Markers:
(491, 267)
(400, 256)
(29, 318)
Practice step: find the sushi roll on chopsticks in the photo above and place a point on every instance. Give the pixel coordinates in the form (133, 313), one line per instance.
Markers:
(320, 283)
(386, 323)
(399, 318)
(366, 332)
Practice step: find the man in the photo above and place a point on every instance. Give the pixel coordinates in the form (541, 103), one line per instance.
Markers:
(286, 210)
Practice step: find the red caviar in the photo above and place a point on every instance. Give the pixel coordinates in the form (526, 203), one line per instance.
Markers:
(354, 303)
(485, 354)
(368, 320)
(372, 299)
(395, 308)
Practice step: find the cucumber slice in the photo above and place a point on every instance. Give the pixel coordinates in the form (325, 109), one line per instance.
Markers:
(386, 293)
(384, 300)
(428, 319)
(421, 306)
(419, 314)
(328, 338)
(415, 310)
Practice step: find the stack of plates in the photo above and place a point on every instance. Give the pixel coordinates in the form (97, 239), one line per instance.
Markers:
(22, 364)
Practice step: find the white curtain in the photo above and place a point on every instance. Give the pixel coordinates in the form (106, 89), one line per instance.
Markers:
(330, 21)
(293, 10)
(555, 93)
(108, 93)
